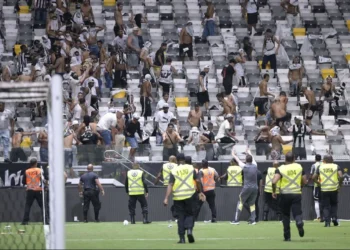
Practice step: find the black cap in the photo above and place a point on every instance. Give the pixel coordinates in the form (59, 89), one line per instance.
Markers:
(180, 157)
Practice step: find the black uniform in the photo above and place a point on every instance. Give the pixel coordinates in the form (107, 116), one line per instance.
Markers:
(299, 132)
(90, 194)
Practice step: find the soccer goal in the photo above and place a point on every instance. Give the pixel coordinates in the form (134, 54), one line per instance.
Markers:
(35, 235)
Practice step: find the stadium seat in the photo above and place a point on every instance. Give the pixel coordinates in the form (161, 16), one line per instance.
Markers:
(23, 9)
(299, 32)
(181, 101)
(109, 3)
(17, 49)
(327, 72)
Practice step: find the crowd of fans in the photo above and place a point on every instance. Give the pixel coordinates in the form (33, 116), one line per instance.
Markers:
(89, 66)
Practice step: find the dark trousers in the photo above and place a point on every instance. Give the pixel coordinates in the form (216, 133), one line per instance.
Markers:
(91, 195)
(271, 203)
(132, 204)
(120, 79)
(246, 206)
(228, 86)
(146, 106)
(17, 153)
(40, 15)
(291, 202)
(273, 62)
(30, 197)
(44, 154)
(210, 197)
(330, 205)
(184, 211)
(299, 152)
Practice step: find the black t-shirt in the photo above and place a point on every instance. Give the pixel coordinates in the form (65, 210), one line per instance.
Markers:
(88, 137)
(229, 72)
(138, 19)
(89, 180)
(131, 128)
(172, 178)
(156, 60)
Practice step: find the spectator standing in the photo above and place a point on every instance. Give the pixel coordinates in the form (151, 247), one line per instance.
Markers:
(185, 41)
(105, 125)
(162, 101)
(7, 124)
(197, 139)
(120, 40)
(120, 65)
(162, 120)
(239, 60)
(295, 76)
(251, 9)
(146, 61)
(9, 72)
(170, 140)
(78, 20)
(262, 141)
(130, 129)
(292, 9)
(40, 7)
(88, 15)
(133, 49)
(226, 132)
(269, 50)
(195, 116)
(248, 47)
(44, 147)
(211, 146)
(119, 23)
(119, 140)
(159, 59)
(22, 59)
(68, 138)
(209, 21)
(228, 107)
(17, 151)
(146, 96)
(202, 95)
(227, 75)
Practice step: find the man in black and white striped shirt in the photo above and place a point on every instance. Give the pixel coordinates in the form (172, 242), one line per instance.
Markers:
(40, 7)
(21, 59)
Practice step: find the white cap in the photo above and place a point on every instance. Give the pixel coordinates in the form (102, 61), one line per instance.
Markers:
(135, 29)
(26, 71)
(148, 77)
(84, 28)
(165, 105)
(240, 50)
(62, 38)
(229, 116)
(69, 38)
(136, 116)
(75, 122)
(194, 129)
(207, 67)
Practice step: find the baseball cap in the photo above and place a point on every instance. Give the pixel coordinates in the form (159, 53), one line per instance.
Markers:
(207, 67)
(148, 77)
(165, 105)
(75, 122)
(135, 29)
(229, 116)
(136, 116)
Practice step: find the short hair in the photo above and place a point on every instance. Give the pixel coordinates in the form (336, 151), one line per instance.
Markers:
(266, 75)
(328, 158)
(170, 125)
(33, 161)
(283, 93)
(290, 157)
(249, 158)
(180, 157)
(232, 61)
(318, 157)
(220, 95)
(169, 60)
(268, 31)
(188, 160)
(164, 44)
(165, 93)
(205, 163)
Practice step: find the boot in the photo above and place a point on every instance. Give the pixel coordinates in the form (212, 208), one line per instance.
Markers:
(265, 216)
(190, 235)
(145, 219)
(132, 219)
(182, 239)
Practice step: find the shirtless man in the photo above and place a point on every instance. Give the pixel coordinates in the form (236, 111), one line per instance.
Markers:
(262, 101)
(44, 148)
(170, 140)
(326, 95)
(16, 151)
(146, 60)
(185, 41)
(146, 96)
(88, 15)
(69, 136)
(228, 107)
(59, 65)
(103, 54)
(279, 112)
(91, 39)
(277, 142)
(118, 15)
(195, 116)
(295, 76)
(25, 76)
(309, 108)
(8, 72)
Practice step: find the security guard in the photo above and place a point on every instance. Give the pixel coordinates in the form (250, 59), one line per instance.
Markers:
(90, 182)
(269, 201)
(33, 179)
(233, 175)
(208, 175)
(317, 189)
(166, 170)
(184, 191)
(250, 187)
(291, 177)
(137, 189)
(330, 177)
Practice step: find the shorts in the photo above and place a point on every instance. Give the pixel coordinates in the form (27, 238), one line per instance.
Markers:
(248, 196)
(313, 108)
(132, 141)
(166, 87)
(299, 153)
(262, 104)
(281, 121)
(68, 157)
(189, 51)
(203, 97)
(317, 193)
(252, 18)
(275, 155)
(146, 106)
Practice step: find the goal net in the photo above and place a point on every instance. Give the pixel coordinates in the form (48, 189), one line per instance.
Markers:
(20, 100)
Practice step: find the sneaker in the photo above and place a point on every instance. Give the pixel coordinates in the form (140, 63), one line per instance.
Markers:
(234, 222)
(213, 220)
(252, 223)
(317, 219)
(287, 239)
(327, 224)
(301, 231)
(335, 223)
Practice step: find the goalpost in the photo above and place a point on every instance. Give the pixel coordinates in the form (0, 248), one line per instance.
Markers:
(52, 93)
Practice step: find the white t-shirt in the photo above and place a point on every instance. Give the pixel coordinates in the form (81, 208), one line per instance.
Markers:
(251, 7)
(166, 74)
(239, 70)
(5, 119)
(163, 120)
(160, 104)
(221, 133)
(120, 41)
(86, 84)
(107, 121)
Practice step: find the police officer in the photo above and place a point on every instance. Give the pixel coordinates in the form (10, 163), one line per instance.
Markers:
(166, 170)
(250, 187)
(208, 175)
(291, 177)
(137, 189)
(90, 182)
(317, 190)
(330, 177)
(184, 191)
(33, 180)
(269, 201)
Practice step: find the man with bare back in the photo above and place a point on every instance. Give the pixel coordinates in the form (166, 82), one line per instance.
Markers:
(195, 116)
(68, 138)
(118, 16)
(326, 95)
(44, 147)
(279, 112)
(295, 76)
(146, 96)
(309, 108)
(262, 100)
(16, 151)
(228, 107)
(88, 15)
(277, 142)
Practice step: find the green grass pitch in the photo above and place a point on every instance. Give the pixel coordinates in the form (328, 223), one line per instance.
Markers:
(222, 235)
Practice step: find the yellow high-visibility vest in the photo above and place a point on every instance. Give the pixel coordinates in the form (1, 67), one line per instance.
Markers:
(291, 178)
(329, 177)
(135, 183)
(167, 167)
(234, 176)
(268, 181)
(183, 187)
